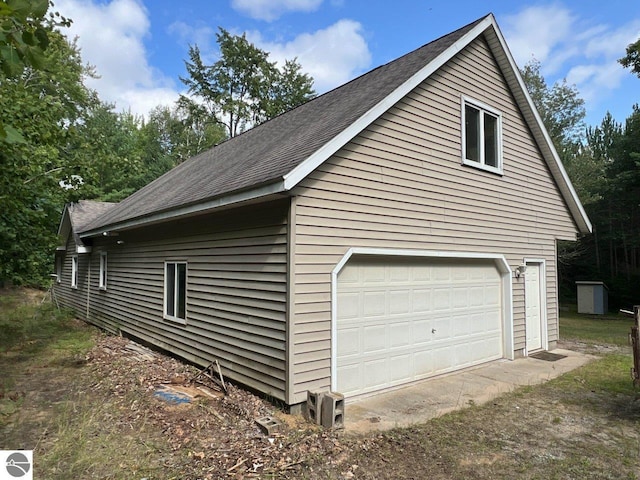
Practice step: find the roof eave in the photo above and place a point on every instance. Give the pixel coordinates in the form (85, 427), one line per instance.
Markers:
(202, 207)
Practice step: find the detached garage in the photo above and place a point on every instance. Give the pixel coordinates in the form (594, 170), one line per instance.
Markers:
(402, 318)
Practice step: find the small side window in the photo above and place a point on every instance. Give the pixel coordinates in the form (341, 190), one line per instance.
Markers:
(103, 271)
(481, 136)
(175, 291)
(74, 271)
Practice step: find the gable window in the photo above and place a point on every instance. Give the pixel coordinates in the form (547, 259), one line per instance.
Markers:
(481, 136)
(175, 291)
(74, 271)
(103, 271)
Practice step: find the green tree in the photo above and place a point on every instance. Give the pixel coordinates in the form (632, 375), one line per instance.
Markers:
(243, 88)
(24, 36)
(632, 58)
(109, 150)
(172, 135)
(612, 252)
(47, 107)
(560, 107)
(562, 111)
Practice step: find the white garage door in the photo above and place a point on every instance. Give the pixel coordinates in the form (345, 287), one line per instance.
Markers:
(399, 321)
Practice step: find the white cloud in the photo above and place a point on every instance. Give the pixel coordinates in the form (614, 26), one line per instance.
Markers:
(332, 56)
(270, 10)
(203, 36)
(570, 47)
(110, 36)
(538, 32)
(612, 43)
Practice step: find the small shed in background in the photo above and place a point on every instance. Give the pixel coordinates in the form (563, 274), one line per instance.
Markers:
(593, 297)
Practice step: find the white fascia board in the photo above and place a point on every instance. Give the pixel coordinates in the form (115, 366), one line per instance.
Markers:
(64, 228)
(265, 190)
(501, 261)
(65, 213)
(296, 175)
(542, 136)
(83, 249)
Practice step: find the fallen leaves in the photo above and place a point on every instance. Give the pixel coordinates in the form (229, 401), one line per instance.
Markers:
(214, 436)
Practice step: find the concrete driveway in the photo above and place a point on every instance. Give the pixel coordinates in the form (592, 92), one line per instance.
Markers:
(436, 396)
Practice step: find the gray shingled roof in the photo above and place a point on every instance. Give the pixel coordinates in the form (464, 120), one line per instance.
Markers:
(85, 212)
(269, 151)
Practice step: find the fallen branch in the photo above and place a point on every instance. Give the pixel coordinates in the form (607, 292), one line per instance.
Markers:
(204, 372)
(224, 387)
(240, 462)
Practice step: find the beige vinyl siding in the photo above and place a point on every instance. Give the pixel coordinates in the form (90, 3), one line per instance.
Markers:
(400, 185)
(236, 290)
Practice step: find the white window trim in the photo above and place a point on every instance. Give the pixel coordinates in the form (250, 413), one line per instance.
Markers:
(74, 271)
(482, 107)
(102, 280)
(173, 318)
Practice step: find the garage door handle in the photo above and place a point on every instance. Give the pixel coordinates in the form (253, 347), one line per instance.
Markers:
(433, 330)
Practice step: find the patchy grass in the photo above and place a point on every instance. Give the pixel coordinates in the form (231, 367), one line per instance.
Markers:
(89, 412)
(610, 329)
(34, 336)
(89, 439)
(585, 424)
(28, 324)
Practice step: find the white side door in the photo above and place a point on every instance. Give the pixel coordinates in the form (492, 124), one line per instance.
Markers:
(533, 306)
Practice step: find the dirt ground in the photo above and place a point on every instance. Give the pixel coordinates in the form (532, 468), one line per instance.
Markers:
(97, 415)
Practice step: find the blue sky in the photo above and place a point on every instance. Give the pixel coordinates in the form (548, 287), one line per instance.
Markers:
(139, 47)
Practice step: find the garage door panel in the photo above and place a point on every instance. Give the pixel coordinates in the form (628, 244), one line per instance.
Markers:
(348, 341)
(400, 334)
(399, 273)
(443, 328)
(351, 376)
(401, 367)
(460, 326)
(423, 362)
(349, 304)
(441, 359)
(376, 372)
(440, 273)
(399, 301)
(374, 338)
(477, 296)
(459, 297)
(441, 299)
(421, 331)
(373, 303)
(402, 321)
(421, 300)
(421, 273)
(492, 295)
(373, 274)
